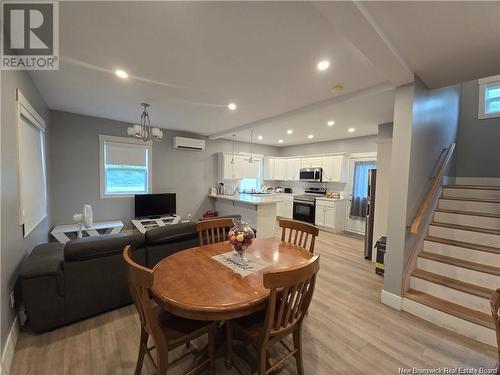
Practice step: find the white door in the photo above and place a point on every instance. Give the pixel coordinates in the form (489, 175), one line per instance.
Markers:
(354, 224)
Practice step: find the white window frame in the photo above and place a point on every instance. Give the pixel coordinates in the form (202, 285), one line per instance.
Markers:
(124, 140)
(26, 110)
(483, 84)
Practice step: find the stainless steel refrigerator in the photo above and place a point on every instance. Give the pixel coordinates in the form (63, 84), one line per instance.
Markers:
(370, 213)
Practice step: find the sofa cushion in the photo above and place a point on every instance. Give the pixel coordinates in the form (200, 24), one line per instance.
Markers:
(45, 259)
(170, 233)
(101, 246)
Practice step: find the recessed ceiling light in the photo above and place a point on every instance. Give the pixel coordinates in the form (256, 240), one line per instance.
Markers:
(351, 130)
(323, 65)
(310, 136)
(330, 123)
(260, 137)
(231, 106)
(121, 73)
(289, 131)
(280, 141)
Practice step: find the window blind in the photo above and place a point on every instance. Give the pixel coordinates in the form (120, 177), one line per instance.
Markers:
(125, 154)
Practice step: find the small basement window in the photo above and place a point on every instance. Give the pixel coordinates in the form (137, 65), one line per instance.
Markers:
(489, 97)
(125, 166)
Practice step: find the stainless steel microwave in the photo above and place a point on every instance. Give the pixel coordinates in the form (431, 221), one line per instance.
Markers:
(311, 174)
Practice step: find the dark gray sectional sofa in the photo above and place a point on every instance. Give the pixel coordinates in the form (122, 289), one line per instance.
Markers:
(61, 284)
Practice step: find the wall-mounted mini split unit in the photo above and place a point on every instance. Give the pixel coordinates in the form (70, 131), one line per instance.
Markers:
(192, 144)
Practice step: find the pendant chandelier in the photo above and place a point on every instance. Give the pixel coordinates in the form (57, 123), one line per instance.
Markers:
(144, 131)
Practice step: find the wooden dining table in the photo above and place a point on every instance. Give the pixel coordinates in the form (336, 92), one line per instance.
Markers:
(193, 285)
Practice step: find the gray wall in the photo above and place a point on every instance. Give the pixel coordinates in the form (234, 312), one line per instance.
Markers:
(75, 169)
(477, 141)
(13, 246)
(425, 122)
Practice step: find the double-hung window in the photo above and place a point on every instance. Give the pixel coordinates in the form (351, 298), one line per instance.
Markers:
(489, 97)
(125, 168)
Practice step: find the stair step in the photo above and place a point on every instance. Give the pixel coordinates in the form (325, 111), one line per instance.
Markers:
(482, 205)
(485, 200)
(468, 245)
(453, 283)
(465, 233)
(466, 227)
(451, 308)
(471, 213)
(473, 187)
(461, 263)
(488, 192)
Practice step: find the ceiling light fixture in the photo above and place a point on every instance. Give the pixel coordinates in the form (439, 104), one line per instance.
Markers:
(323, 65)
(121, 73)
(144, 131)
(280, 141)
(231, 106)
(351, 130)
(289, 131)
(260, 138)
(330, 123)
(310, 136)
(251, 160)
(233, 144)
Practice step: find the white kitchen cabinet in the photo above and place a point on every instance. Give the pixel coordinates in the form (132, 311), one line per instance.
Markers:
(269, 165)
(280, 169)
(320, 216)
(310, 162)
(292, 169)
(229, 170)
(285, 207)
(240, 168)
(334, 168)
(250, 170)
(330, 214)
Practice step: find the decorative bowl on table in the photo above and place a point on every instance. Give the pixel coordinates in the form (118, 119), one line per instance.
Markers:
(240, 237)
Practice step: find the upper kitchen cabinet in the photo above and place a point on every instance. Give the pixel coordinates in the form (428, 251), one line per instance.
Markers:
(292, 169)
(314, 162)
(334, 168)
(275, 169)
(237, 167)
(269, 165)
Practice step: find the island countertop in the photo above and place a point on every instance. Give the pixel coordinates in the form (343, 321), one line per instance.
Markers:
(256, 200)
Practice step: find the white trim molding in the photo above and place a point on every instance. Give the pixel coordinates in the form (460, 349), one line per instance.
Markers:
(134, 143)
(9, 348)
(391, 300)
(483, 83)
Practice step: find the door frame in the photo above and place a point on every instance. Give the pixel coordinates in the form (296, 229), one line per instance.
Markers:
(365, 156)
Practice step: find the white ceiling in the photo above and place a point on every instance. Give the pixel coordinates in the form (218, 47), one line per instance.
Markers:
(190, 59)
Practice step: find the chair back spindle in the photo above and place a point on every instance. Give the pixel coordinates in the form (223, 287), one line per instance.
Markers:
(299, 233)
(213, 231)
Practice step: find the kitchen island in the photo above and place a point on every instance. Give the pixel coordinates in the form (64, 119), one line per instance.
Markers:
(259, 211)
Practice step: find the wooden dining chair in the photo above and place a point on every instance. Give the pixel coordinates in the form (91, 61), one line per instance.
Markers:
(291, 292)
(299, 233)
(214, 230)
(168, 331)
(495, 313)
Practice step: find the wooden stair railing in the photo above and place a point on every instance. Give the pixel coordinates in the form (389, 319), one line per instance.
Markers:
(424, 214)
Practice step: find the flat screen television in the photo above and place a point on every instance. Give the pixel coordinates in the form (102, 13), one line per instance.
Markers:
(155, 205)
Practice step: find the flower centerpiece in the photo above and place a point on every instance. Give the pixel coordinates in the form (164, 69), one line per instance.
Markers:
(240, 237)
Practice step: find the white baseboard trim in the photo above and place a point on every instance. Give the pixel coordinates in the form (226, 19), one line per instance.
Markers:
(9, 348)
(488, 181)
(391, 300)
(450, 322)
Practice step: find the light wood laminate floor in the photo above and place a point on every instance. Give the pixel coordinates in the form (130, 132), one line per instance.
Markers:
(347, 331)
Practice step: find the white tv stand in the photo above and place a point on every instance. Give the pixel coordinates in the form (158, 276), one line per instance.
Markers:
(143, 225)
